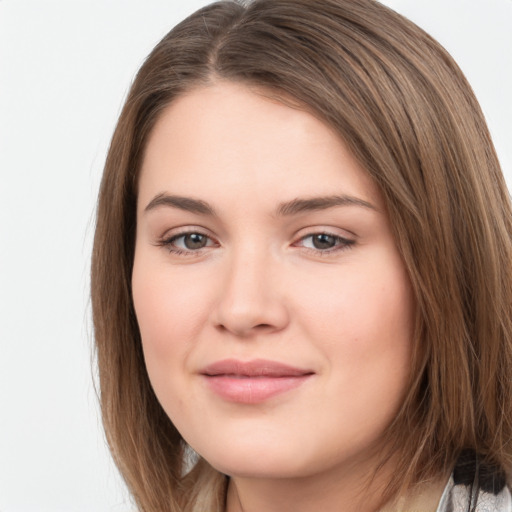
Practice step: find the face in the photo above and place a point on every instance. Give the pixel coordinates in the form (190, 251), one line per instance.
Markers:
(274, 308)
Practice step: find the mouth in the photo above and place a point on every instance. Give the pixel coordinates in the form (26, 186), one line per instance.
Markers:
(253, 381)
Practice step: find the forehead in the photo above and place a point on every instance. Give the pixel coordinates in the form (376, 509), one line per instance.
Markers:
(227, 139)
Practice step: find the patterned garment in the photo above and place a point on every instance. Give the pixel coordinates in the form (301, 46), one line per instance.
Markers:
(475, 488)
(460, 498)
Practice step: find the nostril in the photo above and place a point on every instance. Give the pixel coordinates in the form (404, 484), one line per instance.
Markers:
(243, 310)
(245, 331)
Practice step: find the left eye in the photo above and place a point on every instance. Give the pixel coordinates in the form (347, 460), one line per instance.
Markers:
(324, 242)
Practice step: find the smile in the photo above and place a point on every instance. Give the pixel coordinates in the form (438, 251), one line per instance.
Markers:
(253, 381)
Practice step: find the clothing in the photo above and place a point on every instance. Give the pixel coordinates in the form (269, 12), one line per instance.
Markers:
(475, 487)
(461, 498)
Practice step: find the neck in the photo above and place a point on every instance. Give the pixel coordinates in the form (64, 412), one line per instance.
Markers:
(355, 493)
(351, 487)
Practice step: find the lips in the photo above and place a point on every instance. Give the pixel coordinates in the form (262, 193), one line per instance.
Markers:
(253, 381)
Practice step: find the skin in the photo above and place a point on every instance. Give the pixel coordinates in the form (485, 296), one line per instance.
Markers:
(262, 287)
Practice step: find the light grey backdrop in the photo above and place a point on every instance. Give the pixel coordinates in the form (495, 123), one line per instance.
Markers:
(65, 67)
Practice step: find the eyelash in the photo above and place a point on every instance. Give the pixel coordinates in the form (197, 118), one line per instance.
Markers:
(169, 241)
(341, 244)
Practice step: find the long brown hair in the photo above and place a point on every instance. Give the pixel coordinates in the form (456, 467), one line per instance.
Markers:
(406, 111)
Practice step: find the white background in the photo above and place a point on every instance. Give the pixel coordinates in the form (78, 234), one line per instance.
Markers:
(65, 67)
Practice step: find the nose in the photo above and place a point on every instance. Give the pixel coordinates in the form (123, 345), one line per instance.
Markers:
(251, 298)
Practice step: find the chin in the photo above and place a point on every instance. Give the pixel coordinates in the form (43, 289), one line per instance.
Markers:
(262, 458)
(260, 467)
(255, 459)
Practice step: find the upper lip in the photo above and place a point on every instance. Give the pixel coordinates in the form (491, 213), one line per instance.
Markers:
(253, 368)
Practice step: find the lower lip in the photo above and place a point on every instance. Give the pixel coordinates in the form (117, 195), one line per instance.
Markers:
(252, 390)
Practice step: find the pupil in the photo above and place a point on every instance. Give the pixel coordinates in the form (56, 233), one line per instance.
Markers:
(323, 241)
(195, 241)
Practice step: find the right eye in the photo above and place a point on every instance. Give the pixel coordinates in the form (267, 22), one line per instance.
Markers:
(189, 242)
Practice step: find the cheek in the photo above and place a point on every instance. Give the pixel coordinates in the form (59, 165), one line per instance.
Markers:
(364, 308)
(167, 308)
(167, 322)
(363, 322)
(169, 316)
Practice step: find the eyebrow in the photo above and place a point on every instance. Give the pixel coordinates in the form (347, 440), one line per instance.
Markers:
(183, 203)
(321, 203)
(293, 207)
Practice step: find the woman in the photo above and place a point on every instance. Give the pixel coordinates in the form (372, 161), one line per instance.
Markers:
(301, 277)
